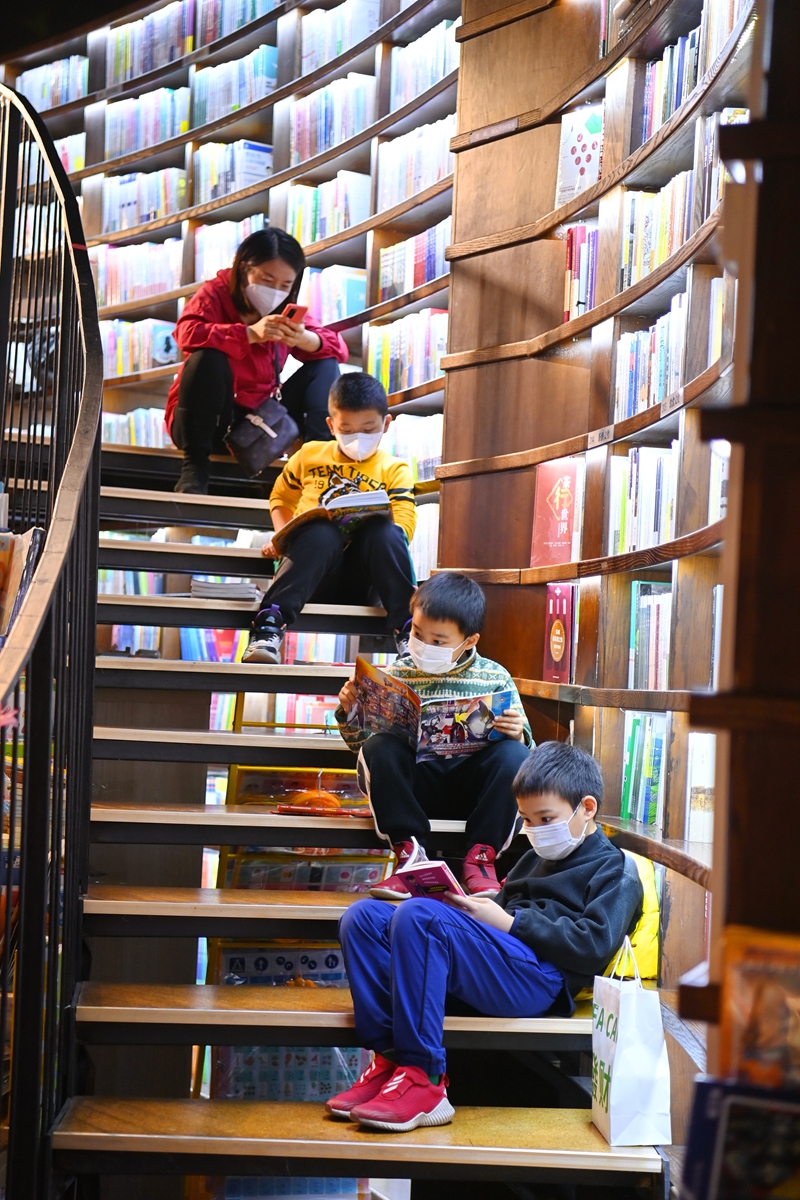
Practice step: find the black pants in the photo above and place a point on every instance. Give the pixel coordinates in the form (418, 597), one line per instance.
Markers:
(206, 406)
(320, 566)
(404, 794)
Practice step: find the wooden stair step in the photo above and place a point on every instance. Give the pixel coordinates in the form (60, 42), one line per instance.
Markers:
(112, 671)
(182, 557)
(172, 610)
(171, 508)
(123, 1013)
(218, 1137)
(216, 746)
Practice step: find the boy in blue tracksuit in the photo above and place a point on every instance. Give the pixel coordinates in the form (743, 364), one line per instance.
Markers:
(560, 917)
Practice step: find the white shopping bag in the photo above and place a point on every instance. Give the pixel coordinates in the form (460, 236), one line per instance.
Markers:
(630, 1069)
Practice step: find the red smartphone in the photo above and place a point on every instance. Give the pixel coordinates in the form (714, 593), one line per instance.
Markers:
(295, 313)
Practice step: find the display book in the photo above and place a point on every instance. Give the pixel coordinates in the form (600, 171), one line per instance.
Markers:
(448, 725)
(558, 511)
(347, 511)
(562, 617)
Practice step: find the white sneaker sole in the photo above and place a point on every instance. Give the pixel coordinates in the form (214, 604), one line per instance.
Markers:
(262, 656)
(338, 1112)
(441, 1115)
(380, 893)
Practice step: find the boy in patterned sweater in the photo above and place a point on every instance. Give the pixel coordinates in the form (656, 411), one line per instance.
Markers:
(447, 615)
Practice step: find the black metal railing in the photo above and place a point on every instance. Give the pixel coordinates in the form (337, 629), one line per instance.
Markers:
(49, 466)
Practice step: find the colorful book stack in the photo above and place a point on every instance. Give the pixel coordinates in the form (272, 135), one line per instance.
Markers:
(132, 125)
(221, 168)
(130, 200)
(558, 512)
(649, 363)
(328, 33)
(215, 245)
(55, 83)
(414, 161)
(293, 712)
(418, 440)
(409, 264)
(213, 645)
(642, 498)
(71, 150)
(129, 583)
(560, 633)
(334, 293)
(580, 278)
(669, 81)
(331, 115)
(580, 156)
(124, 273)
(223, 706)
(142, 427)
(718, 20)
(218, 91)
(408, 352)
(710, 173)
(424, 548)
(218, 18)
(423, 63)
(134, 638)
(157, 39)
(314, 213)
(654, 226)
(643, 768)
(648, 653)
(701, 750)
(314, 647)
(130, 346)
(718, 482)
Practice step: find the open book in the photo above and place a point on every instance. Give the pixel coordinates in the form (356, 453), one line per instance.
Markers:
(442, 725)
(347, 511)
(431, 880)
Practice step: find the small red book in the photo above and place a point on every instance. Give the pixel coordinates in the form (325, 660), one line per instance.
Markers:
(557, 512)
(558, 633)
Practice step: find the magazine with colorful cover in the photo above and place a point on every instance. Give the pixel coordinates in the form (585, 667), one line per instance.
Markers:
(442, 725)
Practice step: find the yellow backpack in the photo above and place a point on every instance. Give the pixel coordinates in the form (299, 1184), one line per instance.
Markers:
(644, 938)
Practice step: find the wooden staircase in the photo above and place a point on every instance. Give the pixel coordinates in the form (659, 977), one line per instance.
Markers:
(168, 1134)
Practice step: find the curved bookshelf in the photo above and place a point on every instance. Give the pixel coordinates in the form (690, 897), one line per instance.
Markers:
(397, 307)
(723, 83)
(505, 16)
(652, 285)
(716, 383)
(690, 859)
(140, 378)
(644, 700)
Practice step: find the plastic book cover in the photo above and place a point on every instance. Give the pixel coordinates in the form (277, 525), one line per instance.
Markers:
(760, 1025)
(581, 152)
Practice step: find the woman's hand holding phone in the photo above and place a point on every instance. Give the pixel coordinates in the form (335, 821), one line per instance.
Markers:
(276, 327)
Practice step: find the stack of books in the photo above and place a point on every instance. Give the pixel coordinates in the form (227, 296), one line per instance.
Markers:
(649, 363)
(669, 81)
(328, 33)
(642, 498)
(218, 18)
(132, 125)
(414, 161)
(417, 440)
(334, 293)
(581, 270)
(218, 91)
(654, 226)
(648, 654)
(155, 40)
(142, 427)
(423, 63)
(130, 200)
(716, 25)
(221, 168)
(123, 273)
(55, 83)
(314, 213)
(216, 245)
(331, 115)
(408, 352)
(643, 768)
(130, 346)
(710, 173)
(424, 548)
(409, 264)
(213, 587)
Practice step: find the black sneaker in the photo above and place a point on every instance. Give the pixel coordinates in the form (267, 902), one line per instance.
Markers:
(193, 478)
(266, 637)
(401, 638)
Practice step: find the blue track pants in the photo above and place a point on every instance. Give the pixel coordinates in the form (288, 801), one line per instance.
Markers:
(404, 960)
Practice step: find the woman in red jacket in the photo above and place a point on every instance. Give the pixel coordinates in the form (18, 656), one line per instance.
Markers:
(237, 342)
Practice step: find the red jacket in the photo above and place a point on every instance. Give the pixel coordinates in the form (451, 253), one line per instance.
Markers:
(211, 319)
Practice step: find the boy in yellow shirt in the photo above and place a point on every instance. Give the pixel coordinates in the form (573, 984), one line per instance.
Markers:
(318, 563)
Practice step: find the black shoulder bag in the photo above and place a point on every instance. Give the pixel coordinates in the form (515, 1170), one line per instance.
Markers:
(263, 434)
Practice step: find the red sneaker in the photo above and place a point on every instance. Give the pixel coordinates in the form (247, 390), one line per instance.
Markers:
(365, 1088)
(393, 888)
(478, 875)
(405, 1101)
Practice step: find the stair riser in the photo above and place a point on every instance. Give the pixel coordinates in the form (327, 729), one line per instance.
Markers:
(113, 834)
(120, 613)
(131, 556)
(256, 928)
(244, 756)
(219, 681)
(172, 512)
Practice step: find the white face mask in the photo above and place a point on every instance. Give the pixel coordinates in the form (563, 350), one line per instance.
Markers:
(434, 660)
(553, 841)
(264, 299)
(359, 446)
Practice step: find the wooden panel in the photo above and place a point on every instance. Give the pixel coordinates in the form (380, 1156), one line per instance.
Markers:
(608, 750)
(472, 535)
(624, 87)
(676, 752)
(593, 535)
(588, 632)
(610, 225)
(691, 507)
(509, 296)
(698, 287)
(683, 915)
(690, 640)
(483, 208)
(514, 631)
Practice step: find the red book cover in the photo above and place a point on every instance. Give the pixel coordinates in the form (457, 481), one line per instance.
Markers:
(558, 633)
(568, 273)
(554, 511)
(419, 260)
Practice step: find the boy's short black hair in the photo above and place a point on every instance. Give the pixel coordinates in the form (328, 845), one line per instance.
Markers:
(356, 391)
(558, 767)
(452, 597)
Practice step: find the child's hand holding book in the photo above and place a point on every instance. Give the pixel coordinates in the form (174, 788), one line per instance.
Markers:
(483, 909)
(511, 723)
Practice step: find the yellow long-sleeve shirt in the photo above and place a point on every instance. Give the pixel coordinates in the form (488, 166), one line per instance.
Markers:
(319, 470)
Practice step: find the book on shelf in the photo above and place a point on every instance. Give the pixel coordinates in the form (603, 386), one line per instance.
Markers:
(221, 168)
(642, 489)
(716, 26)
(215, 245)
(558, 511)
(211, 587)
(315, 213)
(129, 583)
(144, 640)
(429, 880)
(669, 81)
(219, 18)
(347, 512)
(55, 83)
(408, 352)
(19, 553)
(134, 199)
(716, 319)
(213, 645)
(581, 270)
(654, 226)
(700, 763)
(644, 739)
(331, 115)
(135, 124)
(422, 63)
(71, 150)
(580, 154)
(758, 1018)
(417, 440)
(409, 264)
(132, 346)
(648, 652)
(443, 725)
(327, 33)
(314, 647)
(333, 293)
(141, 427)
(649, 362)
(717, 593)
(710, 172)
(414, 161)
(124, 273)
(559, 633)
(718, 482)
(151, 42)
(218, 91)
(424, 548)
